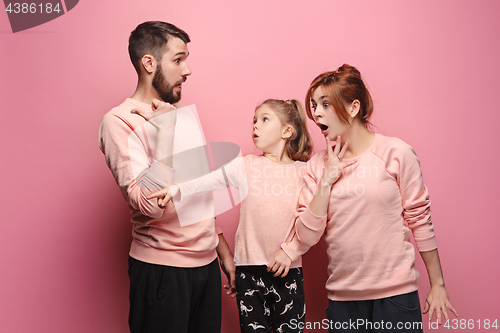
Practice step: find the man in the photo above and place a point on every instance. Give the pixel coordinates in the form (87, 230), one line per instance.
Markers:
(173, 271)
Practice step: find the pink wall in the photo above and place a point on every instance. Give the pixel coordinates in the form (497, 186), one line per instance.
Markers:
(432, 67)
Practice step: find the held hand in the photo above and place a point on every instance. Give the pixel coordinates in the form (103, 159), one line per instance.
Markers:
(165, 195)
(438, 301)
(159, 108)
(227, 266)
(280, 264)
(334, 164)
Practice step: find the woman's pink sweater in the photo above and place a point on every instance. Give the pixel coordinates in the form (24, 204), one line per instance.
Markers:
(374, 207)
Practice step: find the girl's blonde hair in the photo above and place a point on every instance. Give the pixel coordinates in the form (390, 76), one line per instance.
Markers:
(290, 112)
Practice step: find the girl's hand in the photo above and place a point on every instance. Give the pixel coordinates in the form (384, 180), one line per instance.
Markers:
(438, 301)
(165, 195)
(159, 108)
(334, 165)
(280, 264)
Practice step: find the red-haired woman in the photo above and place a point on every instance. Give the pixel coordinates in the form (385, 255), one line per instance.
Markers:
(369, 209)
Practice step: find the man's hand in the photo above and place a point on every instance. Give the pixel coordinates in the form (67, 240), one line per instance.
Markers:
(164, 120)
(159, 108)
(165, 195)
(226, 262)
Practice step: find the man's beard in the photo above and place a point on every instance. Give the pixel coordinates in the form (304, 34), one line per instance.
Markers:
(165, 89)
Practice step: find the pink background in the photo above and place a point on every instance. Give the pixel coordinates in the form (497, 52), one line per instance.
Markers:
(432, 68)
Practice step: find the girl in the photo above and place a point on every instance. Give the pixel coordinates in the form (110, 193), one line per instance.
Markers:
(269, 279)
(368, 213)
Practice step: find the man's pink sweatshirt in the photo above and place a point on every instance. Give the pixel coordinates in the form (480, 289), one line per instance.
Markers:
(128, 143)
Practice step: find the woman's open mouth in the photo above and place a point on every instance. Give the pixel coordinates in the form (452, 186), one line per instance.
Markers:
(323, 127)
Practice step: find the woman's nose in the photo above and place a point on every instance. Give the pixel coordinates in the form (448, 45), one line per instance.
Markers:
(317, 115)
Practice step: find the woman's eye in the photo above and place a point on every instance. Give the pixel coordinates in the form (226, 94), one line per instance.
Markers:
(314, 107)
(325, 105)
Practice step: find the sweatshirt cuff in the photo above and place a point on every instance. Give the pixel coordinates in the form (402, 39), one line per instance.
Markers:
(161, 173)
(427, 244)
(313, 221)
(292, 250)
(180, 197)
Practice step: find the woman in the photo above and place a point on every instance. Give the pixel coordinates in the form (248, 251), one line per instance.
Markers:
(368, 210)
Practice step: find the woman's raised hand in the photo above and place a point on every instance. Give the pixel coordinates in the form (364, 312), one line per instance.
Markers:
(334, 165)
(165, 195)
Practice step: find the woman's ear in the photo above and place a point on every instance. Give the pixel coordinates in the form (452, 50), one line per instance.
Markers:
(353, 108)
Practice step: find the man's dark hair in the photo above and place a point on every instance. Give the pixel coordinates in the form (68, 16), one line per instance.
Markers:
(152, 37)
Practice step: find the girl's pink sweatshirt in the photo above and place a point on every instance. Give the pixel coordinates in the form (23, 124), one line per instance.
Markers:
(268, 192)
(374, 207)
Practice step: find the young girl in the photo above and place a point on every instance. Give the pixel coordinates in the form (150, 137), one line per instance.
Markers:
(368, 211)
(268, 262)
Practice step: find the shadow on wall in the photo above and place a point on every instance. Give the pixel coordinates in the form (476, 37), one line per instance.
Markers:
(314, 264)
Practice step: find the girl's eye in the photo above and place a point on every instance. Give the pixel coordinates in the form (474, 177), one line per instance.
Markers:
(265, 119)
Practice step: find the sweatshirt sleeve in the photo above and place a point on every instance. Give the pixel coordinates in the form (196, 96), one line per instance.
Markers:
(292, 246)
(232, 174)
(415, 200)
(126, 153)
(309, 227)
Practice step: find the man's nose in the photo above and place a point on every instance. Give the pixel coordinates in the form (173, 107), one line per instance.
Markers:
(186, 71)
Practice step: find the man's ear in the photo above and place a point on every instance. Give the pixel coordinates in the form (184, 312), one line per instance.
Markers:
(149, 63)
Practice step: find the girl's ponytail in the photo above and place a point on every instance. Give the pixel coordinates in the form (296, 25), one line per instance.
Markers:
(299, 146)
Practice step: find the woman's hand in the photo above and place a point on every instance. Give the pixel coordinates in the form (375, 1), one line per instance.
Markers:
(165, 195)
(280, 264)
(159, 108)
(334, 165)
(438, 301)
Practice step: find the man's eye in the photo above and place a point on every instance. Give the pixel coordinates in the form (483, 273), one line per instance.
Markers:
(177, 61)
